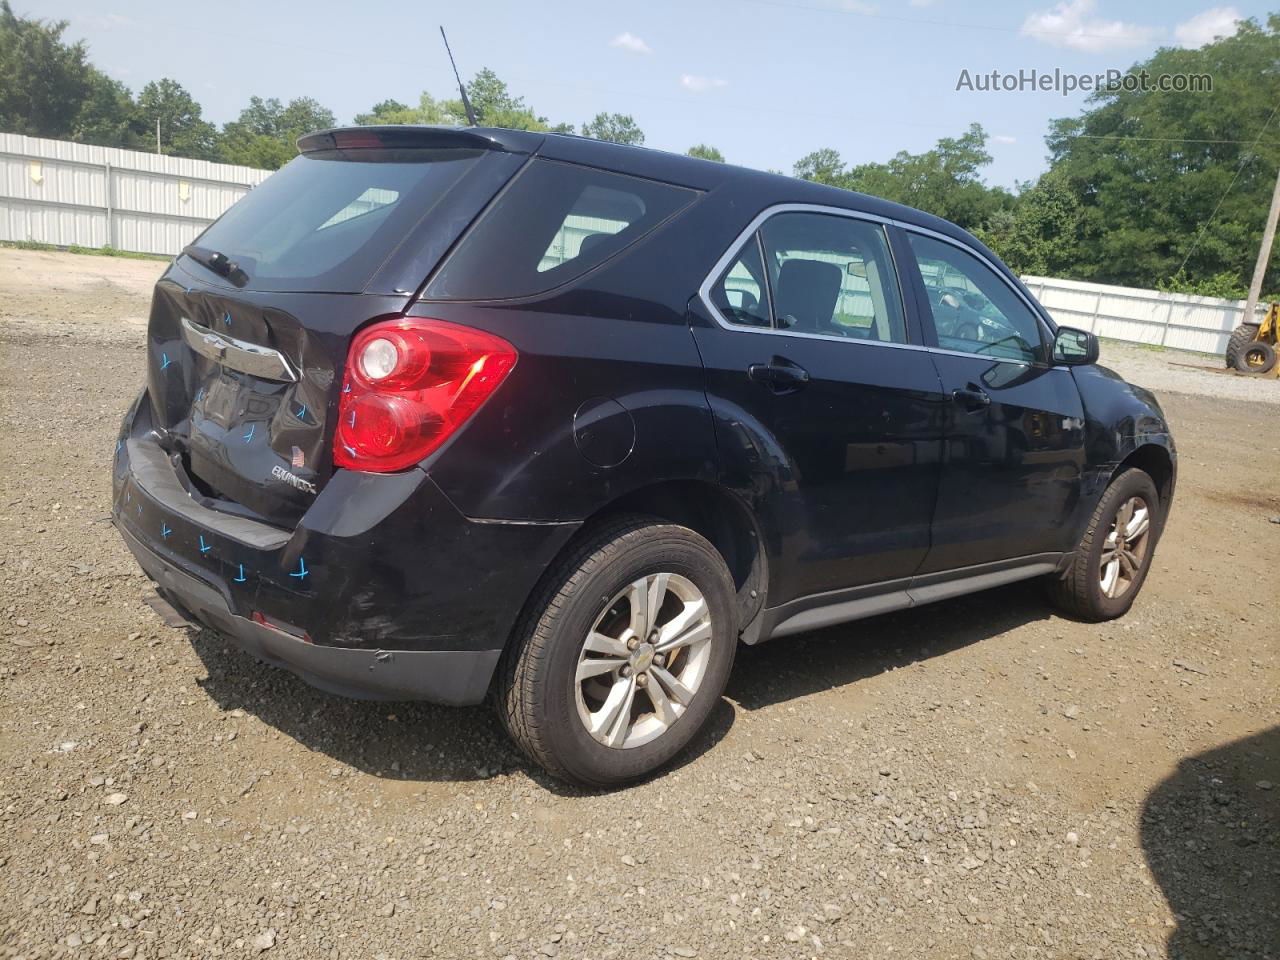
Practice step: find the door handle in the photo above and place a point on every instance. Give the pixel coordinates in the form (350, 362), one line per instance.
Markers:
(971, 398)
(780, 375)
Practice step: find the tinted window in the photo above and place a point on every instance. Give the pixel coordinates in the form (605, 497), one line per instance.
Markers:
(974, 309)
(552, 224)
(832, 276)
(740, 293)
(326, 221)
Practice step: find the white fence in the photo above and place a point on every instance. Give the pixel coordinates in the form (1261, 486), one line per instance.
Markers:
(53, 191)
(1176, 320)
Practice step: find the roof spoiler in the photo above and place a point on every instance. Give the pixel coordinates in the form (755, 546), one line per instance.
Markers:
(411, 137)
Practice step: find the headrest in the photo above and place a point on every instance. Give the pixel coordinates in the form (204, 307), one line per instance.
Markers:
(807, 291)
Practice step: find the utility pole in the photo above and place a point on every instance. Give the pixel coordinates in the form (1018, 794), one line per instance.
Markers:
(1264, 255)
(157, 133)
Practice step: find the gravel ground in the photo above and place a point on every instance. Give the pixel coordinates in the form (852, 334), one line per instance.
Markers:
(979, 778)
(1177, 371)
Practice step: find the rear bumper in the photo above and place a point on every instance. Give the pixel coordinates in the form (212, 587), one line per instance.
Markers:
(456, 677)
(383, 590)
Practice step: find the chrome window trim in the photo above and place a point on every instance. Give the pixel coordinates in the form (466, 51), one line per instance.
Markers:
(722, 264)
(239, 355)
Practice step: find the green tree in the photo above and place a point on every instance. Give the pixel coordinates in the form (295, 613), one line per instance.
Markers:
(1148, 204)
(823, 166)
(946, 181)
(428, 111)
(614, 127)
(266, 132)
(491, 99)
(107, 116)
(43, 81)
(706, 152)
(183, 132)
(495, 106)
(1041, 234)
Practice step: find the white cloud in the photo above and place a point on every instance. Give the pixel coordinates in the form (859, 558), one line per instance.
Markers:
(859, 6)
(1072, 24)
(630, 43)
(701, 84)
(1003, 138)
(1208, 26)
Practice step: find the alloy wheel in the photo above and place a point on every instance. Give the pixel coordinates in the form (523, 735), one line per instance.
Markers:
(1125, 548)
(643, 660)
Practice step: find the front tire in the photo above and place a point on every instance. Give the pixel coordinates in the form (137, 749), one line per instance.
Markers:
(1114, 555)
(622, 655)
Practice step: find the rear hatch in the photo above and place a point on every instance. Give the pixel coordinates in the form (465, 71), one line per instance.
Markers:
(250, 326)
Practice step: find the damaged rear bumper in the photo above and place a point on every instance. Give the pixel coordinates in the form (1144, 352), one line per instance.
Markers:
(457, 677)
(382, 590)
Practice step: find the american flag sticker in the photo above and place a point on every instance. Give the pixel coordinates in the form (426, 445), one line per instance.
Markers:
(298, 460)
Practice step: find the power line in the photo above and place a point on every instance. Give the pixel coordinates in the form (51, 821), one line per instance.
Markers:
(1095, 136)
(1248, 155)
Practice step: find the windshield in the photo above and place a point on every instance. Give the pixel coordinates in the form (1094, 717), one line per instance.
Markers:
(326, 221)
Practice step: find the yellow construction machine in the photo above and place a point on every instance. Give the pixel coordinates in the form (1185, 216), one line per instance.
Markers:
(1252, 347)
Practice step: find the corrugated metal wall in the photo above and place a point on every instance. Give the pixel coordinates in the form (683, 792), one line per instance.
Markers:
(1175, 320)
(54, 191)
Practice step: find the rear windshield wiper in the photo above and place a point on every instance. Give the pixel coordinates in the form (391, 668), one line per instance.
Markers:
(218, 262)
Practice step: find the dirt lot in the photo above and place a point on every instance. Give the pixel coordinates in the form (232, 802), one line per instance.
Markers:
(979, 778)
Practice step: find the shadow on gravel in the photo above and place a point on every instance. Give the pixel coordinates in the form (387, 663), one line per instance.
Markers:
(1212, 839)
(412, 742)
(792, 667)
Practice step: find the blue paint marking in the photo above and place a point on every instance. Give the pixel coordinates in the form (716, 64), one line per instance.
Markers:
(249, 436)
(350, 449)
(128, 496)
(139, 509)
(302, 410)
(165, 357)
(165, 531)
(199, 394)
(205, 547)
(352, 421)
(226, 318)
(119, 444)
(302, 571)
(239, 579)
(346, 388)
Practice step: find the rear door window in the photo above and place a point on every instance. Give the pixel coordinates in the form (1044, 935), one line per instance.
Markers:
(327, 220)
(832, 276)
(552, 224)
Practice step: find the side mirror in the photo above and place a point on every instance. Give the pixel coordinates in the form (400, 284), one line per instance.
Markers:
(1075, 347)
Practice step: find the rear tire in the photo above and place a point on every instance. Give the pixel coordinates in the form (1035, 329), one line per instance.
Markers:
(1109, 569)
(592, 645)
(1257, 358)
(1241, 335)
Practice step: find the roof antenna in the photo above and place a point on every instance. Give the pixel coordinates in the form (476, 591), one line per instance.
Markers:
(466, 104)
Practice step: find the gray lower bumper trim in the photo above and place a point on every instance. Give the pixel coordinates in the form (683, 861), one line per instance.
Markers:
(455, 677)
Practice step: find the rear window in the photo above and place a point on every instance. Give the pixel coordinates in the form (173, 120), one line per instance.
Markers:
(326, 221)
(551, 225)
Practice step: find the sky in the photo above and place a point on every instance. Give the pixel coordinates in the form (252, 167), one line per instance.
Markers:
(765, 81)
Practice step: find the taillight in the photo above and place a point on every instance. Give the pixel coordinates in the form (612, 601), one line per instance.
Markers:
(410, 383)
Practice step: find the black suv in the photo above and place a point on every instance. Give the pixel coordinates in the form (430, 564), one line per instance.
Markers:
(437, 414)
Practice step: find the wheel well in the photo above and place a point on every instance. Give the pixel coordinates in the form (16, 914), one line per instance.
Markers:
(1155, 461)
(717, 515)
